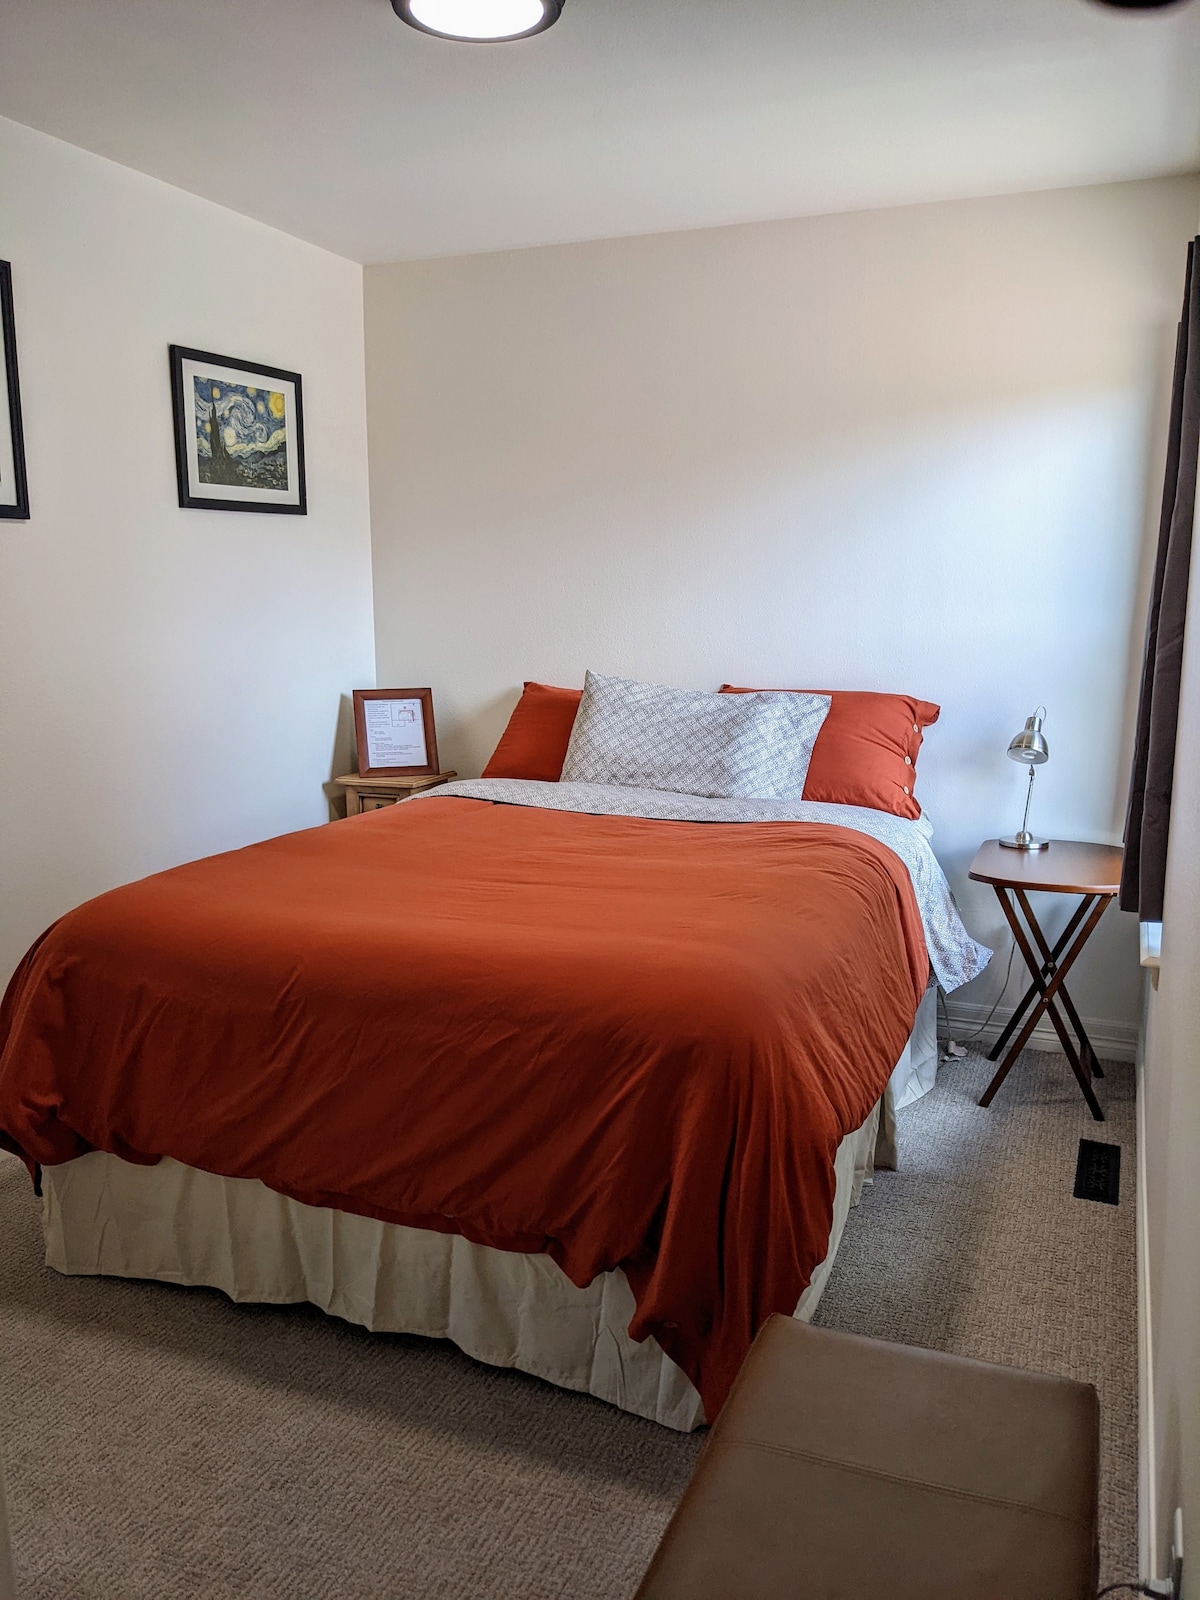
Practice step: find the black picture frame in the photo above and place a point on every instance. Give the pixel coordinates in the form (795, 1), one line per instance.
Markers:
(191, 367)
(12, 433)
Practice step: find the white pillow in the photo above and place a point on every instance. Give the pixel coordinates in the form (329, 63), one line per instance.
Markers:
(726, 746)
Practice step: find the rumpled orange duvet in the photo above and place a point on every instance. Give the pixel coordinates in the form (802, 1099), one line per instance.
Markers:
(623, 1042)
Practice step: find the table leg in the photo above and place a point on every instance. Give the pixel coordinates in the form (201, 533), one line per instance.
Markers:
(1031, 994)
(1049, 992)
(1050, 961)
(1047, 1005)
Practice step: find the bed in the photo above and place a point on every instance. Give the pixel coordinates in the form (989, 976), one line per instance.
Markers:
(583, 1077)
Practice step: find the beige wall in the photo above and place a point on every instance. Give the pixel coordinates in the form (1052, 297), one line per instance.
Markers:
(1170, 1157)
(169, 679)
(911, 449)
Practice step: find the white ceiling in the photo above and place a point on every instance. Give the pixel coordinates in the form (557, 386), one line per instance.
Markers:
(334, 121)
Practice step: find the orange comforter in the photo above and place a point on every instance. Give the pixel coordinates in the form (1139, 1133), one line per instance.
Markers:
(625, 1042)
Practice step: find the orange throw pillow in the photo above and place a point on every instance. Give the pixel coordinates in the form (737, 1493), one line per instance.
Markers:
(866, 751)
(534, 745)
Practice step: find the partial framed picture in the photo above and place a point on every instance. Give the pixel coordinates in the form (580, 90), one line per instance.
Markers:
(395, 733)
(239, 434)
(14, 491)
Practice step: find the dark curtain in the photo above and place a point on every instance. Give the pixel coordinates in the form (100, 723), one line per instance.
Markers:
(1148, 821)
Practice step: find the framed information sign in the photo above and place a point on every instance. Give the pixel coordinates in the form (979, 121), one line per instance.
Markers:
(395, 733)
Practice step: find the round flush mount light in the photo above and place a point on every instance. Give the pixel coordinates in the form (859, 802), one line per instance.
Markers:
(479, 21)
(1138, 5)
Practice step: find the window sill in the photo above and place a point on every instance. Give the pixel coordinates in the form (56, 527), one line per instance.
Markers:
(1150, 934)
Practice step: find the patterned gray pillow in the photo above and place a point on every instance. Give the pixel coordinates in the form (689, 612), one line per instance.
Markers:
(726, 746)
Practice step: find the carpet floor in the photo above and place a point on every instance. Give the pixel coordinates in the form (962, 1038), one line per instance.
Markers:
(978, 1246)
(163, 1443)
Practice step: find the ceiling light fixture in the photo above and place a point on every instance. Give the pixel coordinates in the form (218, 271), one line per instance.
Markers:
(479, 21)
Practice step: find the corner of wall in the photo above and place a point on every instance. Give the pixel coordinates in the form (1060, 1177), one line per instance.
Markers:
(1147, 1487)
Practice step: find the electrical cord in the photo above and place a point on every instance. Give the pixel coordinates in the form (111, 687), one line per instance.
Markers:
(1012, 950)
(1133, 1588)
(967, 1037)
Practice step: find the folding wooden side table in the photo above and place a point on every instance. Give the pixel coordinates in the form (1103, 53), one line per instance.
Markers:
(1092, 871)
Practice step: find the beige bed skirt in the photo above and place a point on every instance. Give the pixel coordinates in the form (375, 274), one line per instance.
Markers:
(179, 1225)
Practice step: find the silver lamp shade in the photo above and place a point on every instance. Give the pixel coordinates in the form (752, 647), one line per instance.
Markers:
(1030, 744)
(1030, 749)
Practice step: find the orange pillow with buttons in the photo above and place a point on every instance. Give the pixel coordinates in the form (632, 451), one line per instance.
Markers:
(866, 752)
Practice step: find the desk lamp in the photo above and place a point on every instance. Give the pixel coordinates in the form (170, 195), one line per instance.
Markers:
(1030, 748)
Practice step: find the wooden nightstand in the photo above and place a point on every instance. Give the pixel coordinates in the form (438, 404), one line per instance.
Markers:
(369, 794)
(1092, 871)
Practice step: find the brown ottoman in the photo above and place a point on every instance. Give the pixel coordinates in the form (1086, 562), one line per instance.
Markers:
(843, 1468)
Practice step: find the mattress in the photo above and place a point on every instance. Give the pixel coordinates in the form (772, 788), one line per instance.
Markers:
(177, 1224)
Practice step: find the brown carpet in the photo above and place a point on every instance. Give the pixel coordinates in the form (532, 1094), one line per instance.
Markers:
(161, 1442)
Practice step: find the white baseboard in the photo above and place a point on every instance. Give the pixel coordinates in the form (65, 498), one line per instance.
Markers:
(1114, 1041)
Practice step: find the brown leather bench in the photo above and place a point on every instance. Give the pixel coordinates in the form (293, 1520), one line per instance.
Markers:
(844, 1468)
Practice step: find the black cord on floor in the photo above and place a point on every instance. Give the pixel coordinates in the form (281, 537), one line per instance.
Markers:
(943, 1009)
(1130, 1588)
(966, 1038)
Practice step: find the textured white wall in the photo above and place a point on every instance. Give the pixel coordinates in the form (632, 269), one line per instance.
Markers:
(169, 680)
(910, 449)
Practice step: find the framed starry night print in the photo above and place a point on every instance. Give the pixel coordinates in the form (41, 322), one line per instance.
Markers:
(14, 494)
(239, 434)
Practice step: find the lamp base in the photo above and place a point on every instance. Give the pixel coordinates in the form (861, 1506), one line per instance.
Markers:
(1025, 841)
